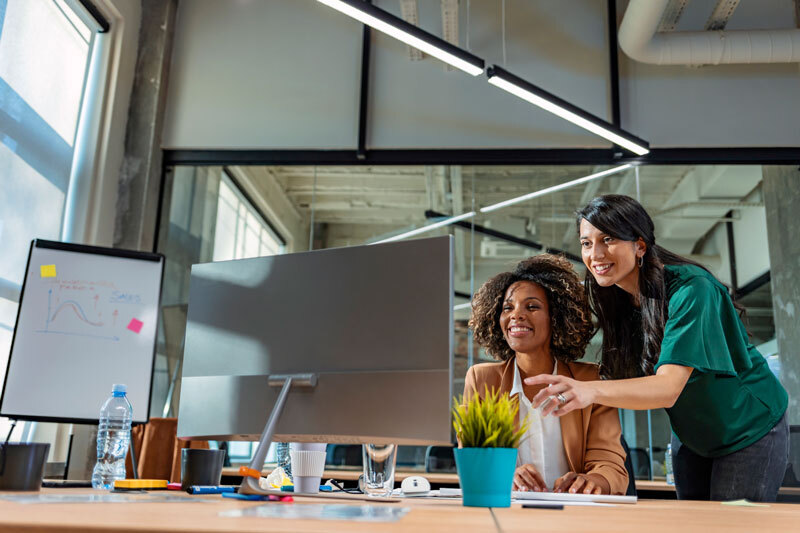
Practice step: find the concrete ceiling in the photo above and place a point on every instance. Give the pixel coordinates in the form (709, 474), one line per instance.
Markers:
(359, 204)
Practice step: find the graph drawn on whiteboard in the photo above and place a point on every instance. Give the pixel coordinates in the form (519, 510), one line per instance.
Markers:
(87, 318)
(90, 308)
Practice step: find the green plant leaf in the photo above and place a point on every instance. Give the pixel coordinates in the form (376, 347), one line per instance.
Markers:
(488, 420)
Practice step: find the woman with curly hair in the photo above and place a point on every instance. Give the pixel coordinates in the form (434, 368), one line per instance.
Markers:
(536, 320)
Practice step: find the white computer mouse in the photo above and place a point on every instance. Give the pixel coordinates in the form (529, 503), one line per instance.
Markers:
(415, 485)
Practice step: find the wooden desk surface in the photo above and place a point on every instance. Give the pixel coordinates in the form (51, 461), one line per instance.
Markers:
(654, 516)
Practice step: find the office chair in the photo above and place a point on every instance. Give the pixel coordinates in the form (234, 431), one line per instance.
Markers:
(629, 467)
(411, 456)
(641, 463)
(343, 455)
(440, 459)
(792, 476)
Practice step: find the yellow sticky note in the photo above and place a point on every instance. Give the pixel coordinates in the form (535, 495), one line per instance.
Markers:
(48, 271)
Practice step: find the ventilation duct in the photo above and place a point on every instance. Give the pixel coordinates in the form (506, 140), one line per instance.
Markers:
(639, 39)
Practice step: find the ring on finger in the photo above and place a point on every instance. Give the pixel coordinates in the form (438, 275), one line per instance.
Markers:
(561, 398)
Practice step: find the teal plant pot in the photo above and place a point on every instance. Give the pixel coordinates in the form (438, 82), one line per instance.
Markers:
(486, 475)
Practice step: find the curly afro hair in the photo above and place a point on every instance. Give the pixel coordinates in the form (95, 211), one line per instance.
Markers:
(570, 317)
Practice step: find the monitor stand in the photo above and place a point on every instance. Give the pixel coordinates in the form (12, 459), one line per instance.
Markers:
(250, 485)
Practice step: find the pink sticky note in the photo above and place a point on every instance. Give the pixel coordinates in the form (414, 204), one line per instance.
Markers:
(135, 325)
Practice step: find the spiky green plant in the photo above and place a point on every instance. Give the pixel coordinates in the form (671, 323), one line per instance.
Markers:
(488, 422)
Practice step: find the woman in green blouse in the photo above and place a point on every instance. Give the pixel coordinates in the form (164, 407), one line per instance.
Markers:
(673, 338)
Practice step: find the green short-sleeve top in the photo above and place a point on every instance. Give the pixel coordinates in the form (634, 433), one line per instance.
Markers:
(732, 399)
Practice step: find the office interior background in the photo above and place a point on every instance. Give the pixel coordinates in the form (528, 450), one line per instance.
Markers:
(222, 129)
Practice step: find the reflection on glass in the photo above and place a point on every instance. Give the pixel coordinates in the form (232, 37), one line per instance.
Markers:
(712, 214)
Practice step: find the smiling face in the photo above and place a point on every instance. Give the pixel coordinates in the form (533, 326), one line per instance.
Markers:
(611, 261)
(525, 318)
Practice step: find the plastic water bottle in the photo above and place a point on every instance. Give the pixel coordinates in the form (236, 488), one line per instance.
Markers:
(284, 459)
(668, 465)
(113, 439)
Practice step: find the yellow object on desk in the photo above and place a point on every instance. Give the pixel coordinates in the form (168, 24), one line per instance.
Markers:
(140, 484)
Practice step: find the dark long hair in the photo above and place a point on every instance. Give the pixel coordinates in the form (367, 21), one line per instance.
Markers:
(631, 337)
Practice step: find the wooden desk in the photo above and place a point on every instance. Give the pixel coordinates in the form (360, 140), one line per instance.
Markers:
(662, 486)
(424, 515)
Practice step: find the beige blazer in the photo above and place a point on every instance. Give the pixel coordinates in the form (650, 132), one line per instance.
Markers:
(591, 435)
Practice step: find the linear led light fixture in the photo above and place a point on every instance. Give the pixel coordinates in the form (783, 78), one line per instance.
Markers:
(529, 92)
(429, 227)
(554, 188)
(452, 220)
(401, 30)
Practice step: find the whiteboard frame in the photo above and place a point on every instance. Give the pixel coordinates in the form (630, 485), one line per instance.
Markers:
(85, 249)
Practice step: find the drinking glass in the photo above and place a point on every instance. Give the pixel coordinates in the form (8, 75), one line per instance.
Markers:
(379, 461)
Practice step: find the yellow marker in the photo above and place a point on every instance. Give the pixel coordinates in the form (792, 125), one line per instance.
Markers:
(48, 271)
(140, 484)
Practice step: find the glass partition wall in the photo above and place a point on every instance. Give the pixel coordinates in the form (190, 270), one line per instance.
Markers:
(712, 214)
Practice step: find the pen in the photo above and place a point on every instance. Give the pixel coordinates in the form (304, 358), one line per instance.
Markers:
(258, 497)
(211, 489)
(555, 506)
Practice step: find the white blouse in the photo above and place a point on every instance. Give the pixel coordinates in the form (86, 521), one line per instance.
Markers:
(542, 445)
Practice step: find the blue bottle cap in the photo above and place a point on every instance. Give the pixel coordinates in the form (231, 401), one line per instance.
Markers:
(119, 387)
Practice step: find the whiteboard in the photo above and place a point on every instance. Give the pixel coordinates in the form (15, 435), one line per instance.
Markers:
(87, 319)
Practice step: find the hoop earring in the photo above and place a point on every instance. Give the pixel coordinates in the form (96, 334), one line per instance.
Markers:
(641, 261)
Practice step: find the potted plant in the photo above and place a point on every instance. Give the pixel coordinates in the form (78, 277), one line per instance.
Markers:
(487, 453)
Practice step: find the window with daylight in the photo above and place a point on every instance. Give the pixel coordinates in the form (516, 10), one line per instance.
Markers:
(45, 49)
(240, 230)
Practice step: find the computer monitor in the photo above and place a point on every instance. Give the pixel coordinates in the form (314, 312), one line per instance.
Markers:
(374, 324)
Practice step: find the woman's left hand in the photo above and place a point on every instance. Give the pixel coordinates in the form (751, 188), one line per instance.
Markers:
(578, 394)
(578, 484)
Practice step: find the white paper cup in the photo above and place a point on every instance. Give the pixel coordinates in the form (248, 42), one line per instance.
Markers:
(308, 465)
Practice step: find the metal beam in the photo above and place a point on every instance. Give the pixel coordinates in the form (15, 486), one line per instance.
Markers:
(732, 257)
(450, 24)
(721, 14)
(546, 156)
(457, 200)
(410, 13)
(505, 237)
(704, 203)
(613, 62)
(672, 14)
(754, 285)
(361, 151)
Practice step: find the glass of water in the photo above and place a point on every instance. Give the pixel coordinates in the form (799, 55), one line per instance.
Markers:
(379, 461)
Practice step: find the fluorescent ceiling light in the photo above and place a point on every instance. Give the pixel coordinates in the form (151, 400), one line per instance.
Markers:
(555, 188)
(429, 227)
(552, 103)
(398, 28)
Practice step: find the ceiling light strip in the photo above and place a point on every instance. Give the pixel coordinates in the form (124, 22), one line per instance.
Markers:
(398, 28)
(542, 192)
(529, 92)
(429, 227)
(555, 188)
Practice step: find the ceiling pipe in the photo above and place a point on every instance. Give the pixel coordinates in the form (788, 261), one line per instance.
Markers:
(639, 39)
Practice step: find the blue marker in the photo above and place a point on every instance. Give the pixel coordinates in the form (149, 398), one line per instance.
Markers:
(211, 489)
